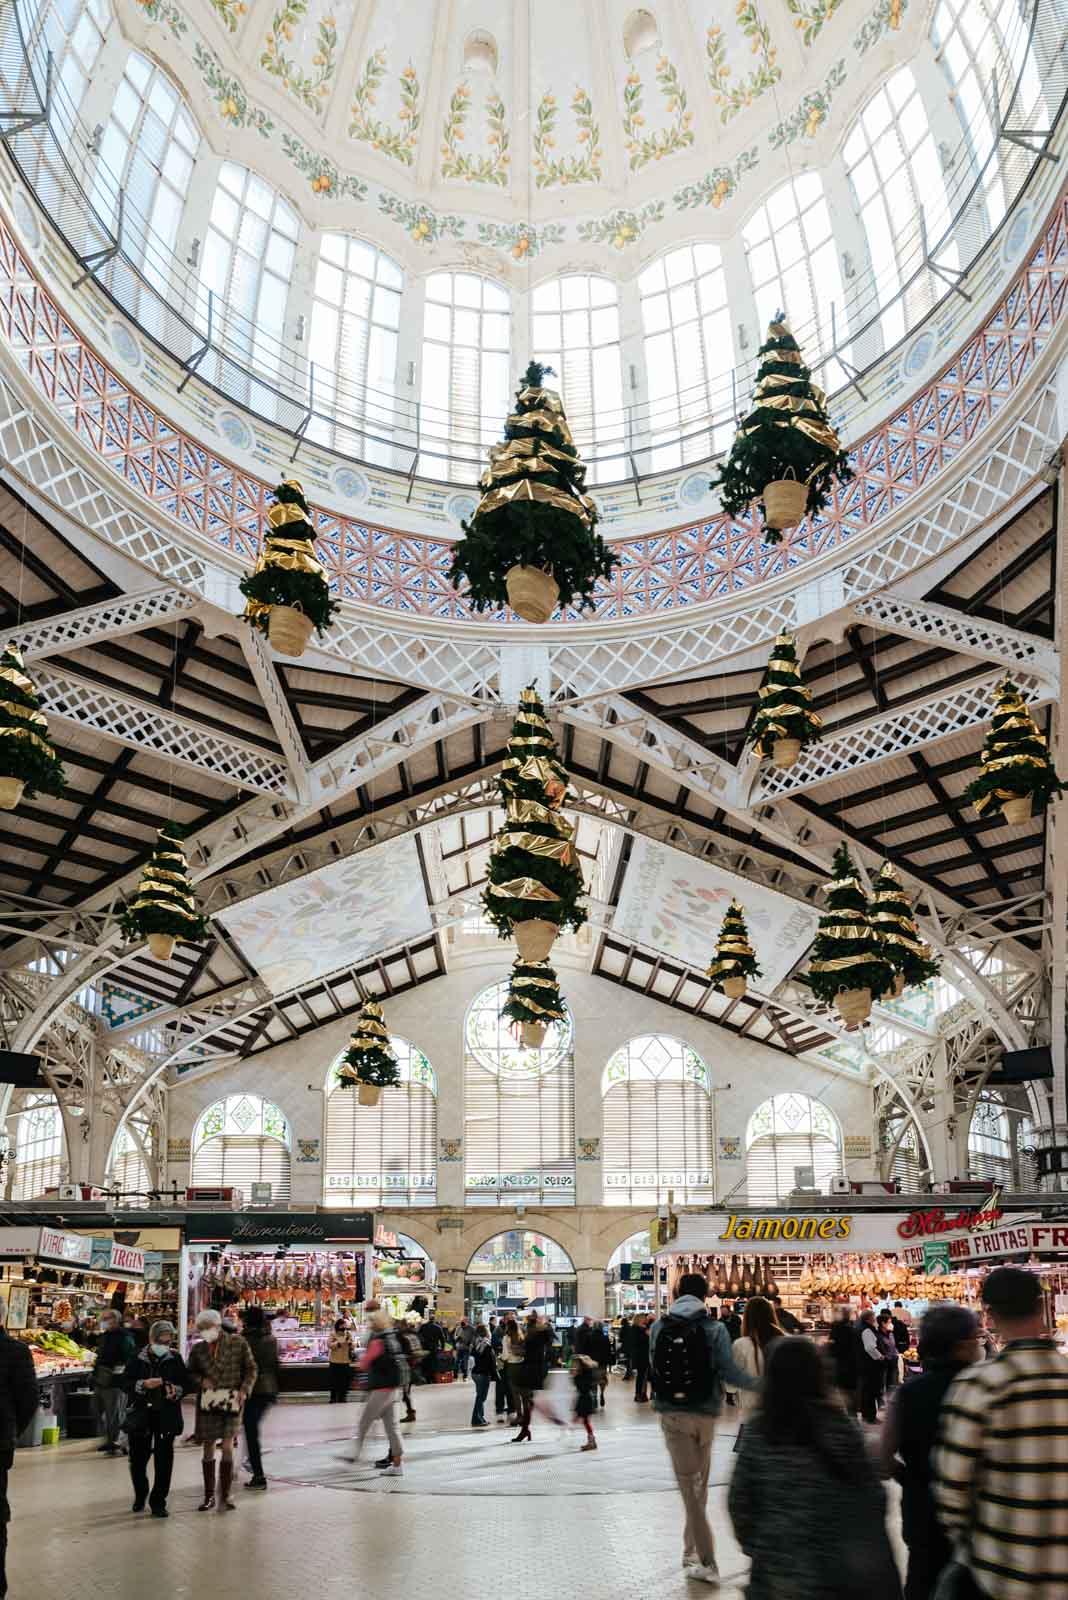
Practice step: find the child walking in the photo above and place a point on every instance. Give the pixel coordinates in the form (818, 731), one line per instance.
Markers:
(586, 1375)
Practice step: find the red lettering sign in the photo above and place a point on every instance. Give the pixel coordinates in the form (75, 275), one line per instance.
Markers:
(925, 1224)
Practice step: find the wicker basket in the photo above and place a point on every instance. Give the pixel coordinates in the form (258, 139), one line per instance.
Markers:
(734, 988)
(785, 503)
(10, 793)
(535, 938)
(369, 1094)
(532, 594)
(784, 752)
(899, 985)
(161, 945)
(854, 1005)
(533, 1034)
(1017, 810)
(289, 630)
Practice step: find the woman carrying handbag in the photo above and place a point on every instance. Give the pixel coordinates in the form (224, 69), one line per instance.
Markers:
(223, 1365)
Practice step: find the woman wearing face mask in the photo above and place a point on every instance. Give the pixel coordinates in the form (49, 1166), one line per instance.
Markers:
(155, 1382)
(225, 1371)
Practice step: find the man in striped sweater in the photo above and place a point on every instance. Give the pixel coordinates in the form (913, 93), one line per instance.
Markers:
(1001, 1464)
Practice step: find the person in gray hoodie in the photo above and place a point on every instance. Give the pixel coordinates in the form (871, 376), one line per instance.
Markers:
(690, 1359)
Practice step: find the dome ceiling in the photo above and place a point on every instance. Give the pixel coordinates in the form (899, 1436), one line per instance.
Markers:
(521, 128)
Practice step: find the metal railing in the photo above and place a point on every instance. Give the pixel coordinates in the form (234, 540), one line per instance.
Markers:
(118, 249)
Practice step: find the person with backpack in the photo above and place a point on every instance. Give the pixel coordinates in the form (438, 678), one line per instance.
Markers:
(691, 1358)
(384, 1363)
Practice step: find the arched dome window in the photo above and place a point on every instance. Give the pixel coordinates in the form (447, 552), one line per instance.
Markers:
(903, 1159)
(148, 149)
(247, 263)
(792, 1142)
(355, 318)
(73, 30)
(657, 1096)
(465, 391)
(793, 263)
(689, 352)
(519, 1110)
(897, 183)
(576, 331)
(39, 1148)
(240, 1141)
(990, 1141)
(127, 1171)
(383, 1155)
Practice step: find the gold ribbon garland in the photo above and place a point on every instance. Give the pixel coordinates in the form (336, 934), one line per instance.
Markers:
(522, 889)
(536, 844)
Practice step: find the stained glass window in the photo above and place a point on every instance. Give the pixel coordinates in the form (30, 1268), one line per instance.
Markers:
(39, 1148)
(792, 1142)
(240, 1141)
(657, 1124)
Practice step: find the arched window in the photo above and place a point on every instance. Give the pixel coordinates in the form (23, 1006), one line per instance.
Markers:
(898, 1135)
(39, 1148)
(990, 1141)
(126, 1169)
(793, 263)
(240, 1141)
(247, 262)
(657, 1096)
(519, 1111)
(576, 332)
(355, 317)
(73, 30)
(689, 352)
(896, 177)
(792, 1142)
(383, 1155)
(464, 387)
(148, 149)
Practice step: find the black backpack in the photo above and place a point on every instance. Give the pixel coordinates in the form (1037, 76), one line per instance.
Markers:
(390, 1369)
(682, 1372)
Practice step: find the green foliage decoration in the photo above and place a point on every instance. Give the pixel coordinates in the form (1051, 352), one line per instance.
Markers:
(26, 751)
(533, 994)
(735, 956)
(784, 710)
(787, 434)
(894, 922)
(369, 1057)
(847, 952)
(1015, 762)
(287, 572)
(534, 511)
(165, 901)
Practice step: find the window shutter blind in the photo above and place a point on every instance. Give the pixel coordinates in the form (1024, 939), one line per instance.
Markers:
(772, 1159)
(237, 1162)
(520, 1125)
(395, 1142)
(657, 1135)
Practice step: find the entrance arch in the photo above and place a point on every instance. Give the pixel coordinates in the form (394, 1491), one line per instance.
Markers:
(518, 1269)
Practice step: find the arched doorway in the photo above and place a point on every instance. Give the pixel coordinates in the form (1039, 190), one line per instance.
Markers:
(405, 1277)
(629, 1283)
(518, 1270)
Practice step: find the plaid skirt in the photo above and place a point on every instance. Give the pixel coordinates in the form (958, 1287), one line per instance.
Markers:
(210, 1426)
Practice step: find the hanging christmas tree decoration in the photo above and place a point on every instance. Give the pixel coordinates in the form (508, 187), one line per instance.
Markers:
(1018, 776)
(848, 968)
(531, 542)
(736, 960)
(785, 453)
(287, 595)
(369, 1064)
(165, 909)
(784, 719)
(28, 760)
(895, 924)
(534, 878)
(534, 1001)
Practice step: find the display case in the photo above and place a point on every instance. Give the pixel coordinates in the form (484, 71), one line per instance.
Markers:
(303, 1346)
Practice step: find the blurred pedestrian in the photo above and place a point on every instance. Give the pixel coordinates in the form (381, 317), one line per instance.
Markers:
(888, 1346)
(264, 1347)
(484, 1372)
(532, 1371)
(843, 1344)
(786, 1319)
(625, 1340)
(114, 1350)
(463, 1339)
(383, 1362)
(760, 1329)
(512, 1350)
(639, 1344)
(584, 1372)
(19, 1401)
(872, 1364)
(599, 1347)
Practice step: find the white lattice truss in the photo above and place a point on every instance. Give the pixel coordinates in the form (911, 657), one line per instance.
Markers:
(111, 619)
(163, 733)
(894, 733)
(970, 636)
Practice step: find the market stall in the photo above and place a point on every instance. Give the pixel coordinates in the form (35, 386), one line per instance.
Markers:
(51, 1278)
(305, 1270)
(405, 1278)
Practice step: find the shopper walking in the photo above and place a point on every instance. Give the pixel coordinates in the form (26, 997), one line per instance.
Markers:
(691, 1357)
(154, 1383)
(639, 1346)
(532, 1372)
(463, 1339)
(888, 1346)
(500, 1387)
(264, 1347)
(1001, 1465)
(843, 1343)
(18, 1407)
(222, 1365)
(949, 1342)
(805, 1500)
(599, 1347)
(114, 1349)
(339, 1362)
(625, 1340)
(760, 1329)
(484, 1372)
(433, 1339)
(872, 1365)
(414, 1354)
(383, 1361)
(512, 1349)
(584, 1372)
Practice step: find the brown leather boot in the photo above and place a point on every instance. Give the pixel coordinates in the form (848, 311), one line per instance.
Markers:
(226, 1478)
(208, 1501)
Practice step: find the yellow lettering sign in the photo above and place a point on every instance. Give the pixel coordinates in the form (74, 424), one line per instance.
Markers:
(771, 1228)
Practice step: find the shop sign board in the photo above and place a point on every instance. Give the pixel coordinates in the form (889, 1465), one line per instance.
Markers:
(127, 1260)
(937, 1221)
(935, 1257)
(72, 1249)
(636, 1272)
(284, 1227)
(828, 1233)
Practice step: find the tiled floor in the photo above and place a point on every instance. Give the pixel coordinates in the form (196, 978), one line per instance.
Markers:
(472, 1513)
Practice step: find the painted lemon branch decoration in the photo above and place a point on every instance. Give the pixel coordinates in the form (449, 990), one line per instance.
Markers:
(491, 168)
(645, 147)
(584, 167)
(811, 15)
(310, 88)
(732, 98)
(396, 142)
